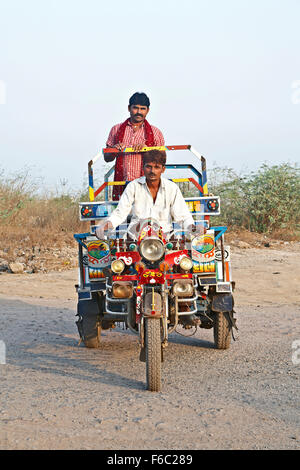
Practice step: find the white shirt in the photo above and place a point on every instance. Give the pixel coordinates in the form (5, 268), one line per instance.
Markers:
(169, 204)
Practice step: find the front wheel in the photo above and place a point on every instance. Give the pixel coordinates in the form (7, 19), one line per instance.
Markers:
(153, 354)
(222, 330)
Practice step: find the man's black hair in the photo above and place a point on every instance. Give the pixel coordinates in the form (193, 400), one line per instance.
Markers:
(157, 156)
(139, 98)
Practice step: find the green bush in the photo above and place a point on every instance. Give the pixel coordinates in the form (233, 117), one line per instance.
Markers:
(263, 201)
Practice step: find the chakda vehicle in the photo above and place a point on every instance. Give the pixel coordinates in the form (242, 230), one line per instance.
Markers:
(154, 282)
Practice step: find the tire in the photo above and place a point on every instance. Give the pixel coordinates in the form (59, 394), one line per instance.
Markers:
(153, 354)
(88, 324)
(222, 331)
(92, 333)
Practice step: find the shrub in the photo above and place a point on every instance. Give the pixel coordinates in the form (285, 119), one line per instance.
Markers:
(263, 201)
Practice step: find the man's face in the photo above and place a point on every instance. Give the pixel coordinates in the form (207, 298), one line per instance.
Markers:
(138, 112)
(153, 171)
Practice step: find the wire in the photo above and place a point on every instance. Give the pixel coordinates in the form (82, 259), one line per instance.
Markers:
(187, 336)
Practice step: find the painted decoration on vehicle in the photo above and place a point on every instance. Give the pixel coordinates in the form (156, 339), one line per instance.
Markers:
(86, 212)
(129, 257)
(218, 254)
(194, 206)
(227, 271)
(98, 258)
(175, 257)
(203, 253)
(147, 230)
(153, 276)
(96, 274)
(203, 247)
(204, 205)
(204, 268)
(151, 229)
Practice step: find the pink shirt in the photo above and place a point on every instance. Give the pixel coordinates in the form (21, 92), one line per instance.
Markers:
(133, 161)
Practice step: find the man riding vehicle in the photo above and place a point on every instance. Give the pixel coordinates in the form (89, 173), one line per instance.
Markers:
(135, 132)
(155, 197)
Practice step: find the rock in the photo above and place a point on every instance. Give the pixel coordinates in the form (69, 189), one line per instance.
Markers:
(16, 268)
(36, 250)
(161, 425)
(3, 265)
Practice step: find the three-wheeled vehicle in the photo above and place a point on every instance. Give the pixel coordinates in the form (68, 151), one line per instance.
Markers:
(154, 282)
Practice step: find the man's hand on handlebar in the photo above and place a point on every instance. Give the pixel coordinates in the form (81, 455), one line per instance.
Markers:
(199, 229)
(102, 227)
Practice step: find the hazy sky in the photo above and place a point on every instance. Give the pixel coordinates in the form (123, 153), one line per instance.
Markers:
(221, 75)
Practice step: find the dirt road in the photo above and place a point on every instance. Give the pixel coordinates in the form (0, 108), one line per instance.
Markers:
(58, 395)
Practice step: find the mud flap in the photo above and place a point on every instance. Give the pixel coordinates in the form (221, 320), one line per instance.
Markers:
(222, 303)
(153, 305)
(90, 311)
(142, 357)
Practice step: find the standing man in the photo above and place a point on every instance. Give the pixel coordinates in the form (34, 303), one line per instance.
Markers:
(135, 132)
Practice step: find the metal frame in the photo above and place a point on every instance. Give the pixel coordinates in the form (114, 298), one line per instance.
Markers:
(93, 193)
(170, 166)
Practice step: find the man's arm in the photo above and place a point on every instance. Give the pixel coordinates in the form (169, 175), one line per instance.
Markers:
(119, 214)
(111, 142)
(124, 207)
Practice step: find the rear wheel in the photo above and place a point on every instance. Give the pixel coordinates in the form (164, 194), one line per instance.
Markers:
(222, 330)
(91, 332)
(153, 354)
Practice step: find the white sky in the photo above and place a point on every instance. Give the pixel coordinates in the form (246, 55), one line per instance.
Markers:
(219, 74)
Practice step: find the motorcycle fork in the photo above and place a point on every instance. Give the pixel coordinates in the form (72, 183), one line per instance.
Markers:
(164, 294)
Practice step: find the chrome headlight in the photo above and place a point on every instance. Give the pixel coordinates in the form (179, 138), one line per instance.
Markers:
(122, 290)
(117, 266)
(183, 288)
(152, 249)
(186, 263)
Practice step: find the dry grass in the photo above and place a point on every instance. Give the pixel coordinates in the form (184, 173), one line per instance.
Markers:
(236, 234)
(37, 230)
